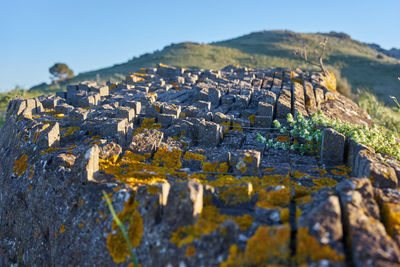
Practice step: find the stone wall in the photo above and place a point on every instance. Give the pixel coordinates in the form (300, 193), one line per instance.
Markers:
(176, 151)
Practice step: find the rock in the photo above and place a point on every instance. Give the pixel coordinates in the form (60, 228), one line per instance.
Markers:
(146, 142)
(245, 162)
(332, 146)
(367, 237)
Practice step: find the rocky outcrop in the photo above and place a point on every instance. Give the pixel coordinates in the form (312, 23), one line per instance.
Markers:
(176, 151)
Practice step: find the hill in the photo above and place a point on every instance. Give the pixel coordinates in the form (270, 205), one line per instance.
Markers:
(364, 67)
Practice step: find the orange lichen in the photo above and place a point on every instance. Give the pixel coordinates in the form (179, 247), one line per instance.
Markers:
(190, 251)
(133, 222)
(62, 229)
(283, 138)
(320, 171)
(309, 250)
(20, 165)
(269, 169)
(269, 246)
(223, 167)
(225, 125)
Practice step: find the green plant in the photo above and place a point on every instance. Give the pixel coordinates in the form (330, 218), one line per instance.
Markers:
(306, 134)
(122, 228)
(395, 101)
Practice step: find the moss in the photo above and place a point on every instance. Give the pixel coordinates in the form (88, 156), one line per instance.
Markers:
(309, 250)
(133, 222)
(268, 246)
(20, 165)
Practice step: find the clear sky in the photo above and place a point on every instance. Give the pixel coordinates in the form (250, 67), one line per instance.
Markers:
(89, 34)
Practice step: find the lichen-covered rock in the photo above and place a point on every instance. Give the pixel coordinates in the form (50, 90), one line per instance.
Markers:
(176, 151)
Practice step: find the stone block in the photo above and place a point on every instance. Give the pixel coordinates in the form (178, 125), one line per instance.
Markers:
(209, 133)
(136, 105)
(171, 109)
(332, 146)
(146, 142)
(79, 114)
(50, 103)
(263, 121)
(265, 109)
(126, 112)
(101, 90)
(185, 203)
(283, 106)
(245, 161)
(91, 163)
(53, 135)
(166, 119)
(366, 236)
(64, 108)
(227, 100)
(214, 96)
(203, 105)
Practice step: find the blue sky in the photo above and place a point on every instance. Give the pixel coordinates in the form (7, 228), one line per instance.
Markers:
(89, 34)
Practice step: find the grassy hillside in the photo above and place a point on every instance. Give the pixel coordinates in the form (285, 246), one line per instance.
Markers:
(364, 67)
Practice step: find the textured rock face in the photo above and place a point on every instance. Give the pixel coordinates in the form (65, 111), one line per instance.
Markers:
(176, 152)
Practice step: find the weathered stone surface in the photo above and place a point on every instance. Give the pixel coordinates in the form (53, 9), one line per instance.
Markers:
(369, 243)
(189, 180)
(146, 142)
(332, 147)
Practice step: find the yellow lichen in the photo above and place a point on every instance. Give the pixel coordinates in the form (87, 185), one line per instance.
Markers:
(209, 220)
(298, 174)
(273, 199)
(20, 165)
(252, 119)
(235, 195)
(133, 222)
(391, 218)
(194, 156)
(309, 250)
(62, 228)
(269, 246)
(70, 130)
(339, 172)
(190, 251)
(324, 182)
(236, 127)
(329, 81)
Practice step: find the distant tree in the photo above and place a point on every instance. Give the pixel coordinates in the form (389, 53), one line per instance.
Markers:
(60, 72)
(315, 58)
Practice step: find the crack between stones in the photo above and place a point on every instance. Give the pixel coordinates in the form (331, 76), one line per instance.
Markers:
(346, 238)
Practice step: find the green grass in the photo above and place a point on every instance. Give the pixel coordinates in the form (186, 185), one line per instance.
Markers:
(388, 117)
(122, 228)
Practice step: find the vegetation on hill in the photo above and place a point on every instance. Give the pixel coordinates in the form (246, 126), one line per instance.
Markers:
(360, 65)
